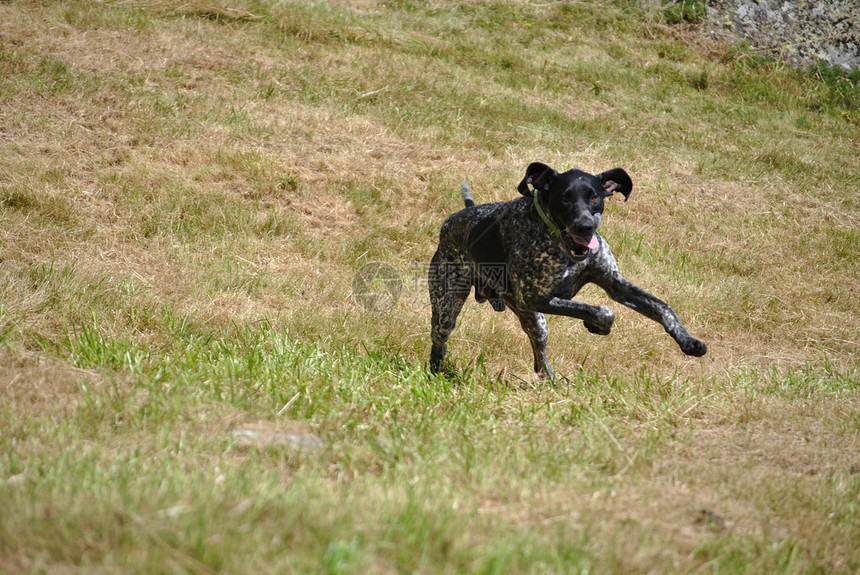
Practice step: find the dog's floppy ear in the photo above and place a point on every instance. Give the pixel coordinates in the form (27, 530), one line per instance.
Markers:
(539, 176)
(616, 180)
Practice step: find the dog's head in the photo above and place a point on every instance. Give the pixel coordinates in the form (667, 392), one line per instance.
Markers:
(573, 201)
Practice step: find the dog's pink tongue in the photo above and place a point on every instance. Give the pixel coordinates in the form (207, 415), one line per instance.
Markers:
(593, 243)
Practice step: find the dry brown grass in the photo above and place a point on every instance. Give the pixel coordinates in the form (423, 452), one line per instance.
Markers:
(173, 175)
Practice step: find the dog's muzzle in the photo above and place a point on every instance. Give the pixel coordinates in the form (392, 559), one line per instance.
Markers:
(579, 247)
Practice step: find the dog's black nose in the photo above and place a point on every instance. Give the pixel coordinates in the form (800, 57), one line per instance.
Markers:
(583, 226)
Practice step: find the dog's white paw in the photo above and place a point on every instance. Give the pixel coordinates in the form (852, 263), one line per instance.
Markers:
(601, 323)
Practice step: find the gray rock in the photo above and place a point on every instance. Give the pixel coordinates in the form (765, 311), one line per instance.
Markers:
(801, 32)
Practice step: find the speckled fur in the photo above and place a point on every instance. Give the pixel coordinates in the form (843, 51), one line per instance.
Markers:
(510, 256)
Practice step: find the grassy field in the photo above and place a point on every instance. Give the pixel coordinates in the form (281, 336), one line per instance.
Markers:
(188, 384)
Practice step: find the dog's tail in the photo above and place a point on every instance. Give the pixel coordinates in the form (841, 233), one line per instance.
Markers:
(467, 195)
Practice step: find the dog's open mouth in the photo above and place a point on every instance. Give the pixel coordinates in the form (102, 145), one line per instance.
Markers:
(579, 246)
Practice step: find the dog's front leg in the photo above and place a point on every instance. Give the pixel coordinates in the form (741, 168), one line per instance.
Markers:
(634, 297)
(597, 318)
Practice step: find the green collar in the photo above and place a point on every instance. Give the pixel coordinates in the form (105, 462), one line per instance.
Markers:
(552, 227)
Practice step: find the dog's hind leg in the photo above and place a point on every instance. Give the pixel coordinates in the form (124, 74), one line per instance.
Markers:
(449, 287)
(443, 322)
(534, 324)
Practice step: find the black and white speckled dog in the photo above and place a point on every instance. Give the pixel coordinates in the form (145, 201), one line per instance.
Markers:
(532, 255)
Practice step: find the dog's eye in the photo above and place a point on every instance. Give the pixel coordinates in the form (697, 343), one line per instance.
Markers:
(593, 199)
